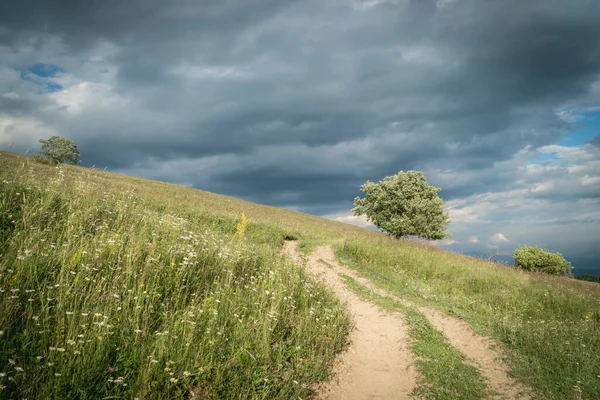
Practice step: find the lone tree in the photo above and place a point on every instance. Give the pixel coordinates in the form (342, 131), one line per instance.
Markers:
(404, 204)
(60, 150)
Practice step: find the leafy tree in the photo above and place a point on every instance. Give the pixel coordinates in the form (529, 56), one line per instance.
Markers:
(60, 150)
(534, 258)
(404, 204)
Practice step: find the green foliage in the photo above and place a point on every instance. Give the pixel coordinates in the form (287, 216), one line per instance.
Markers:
(104, 296)
(546, 325)
(589, 278)
(60, 150)
(42, 160)
(404, 204)
(534, 258)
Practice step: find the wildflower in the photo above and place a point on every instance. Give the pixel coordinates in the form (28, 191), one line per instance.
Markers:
(49, 364)
(111, 369)
(77, 352)
(173, 380)
(2, 374)
(186, 373)
(56, 374)
(100, 338)
(71, 342)
(19, 369)
(11, 361)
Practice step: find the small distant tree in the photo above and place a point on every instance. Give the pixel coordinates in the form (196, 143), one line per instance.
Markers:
(404, 204)
(60, 150)
(534, 258)
(589, 278)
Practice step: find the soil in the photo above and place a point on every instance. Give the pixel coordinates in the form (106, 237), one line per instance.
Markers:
(379, 364)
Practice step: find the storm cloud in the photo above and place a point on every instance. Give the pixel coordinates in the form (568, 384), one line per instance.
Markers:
(297, 103)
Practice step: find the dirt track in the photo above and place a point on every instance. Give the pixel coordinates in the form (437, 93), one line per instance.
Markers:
(379, 364)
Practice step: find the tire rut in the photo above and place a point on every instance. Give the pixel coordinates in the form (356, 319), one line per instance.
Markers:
(479, 350)
(378, 364)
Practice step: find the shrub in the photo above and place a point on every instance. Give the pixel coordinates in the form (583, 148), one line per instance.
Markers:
(42, 160)
(534, 258)
(589, 278)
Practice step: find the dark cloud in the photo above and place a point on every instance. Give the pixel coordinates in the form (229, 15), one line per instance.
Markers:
(297, 103)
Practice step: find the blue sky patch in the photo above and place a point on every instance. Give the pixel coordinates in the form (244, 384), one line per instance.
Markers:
(52, 87)
(41, 74)
(42, 70)
(586, 128)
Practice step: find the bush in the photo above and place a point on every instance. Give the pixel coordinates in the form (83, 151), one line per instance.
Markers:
(589, 278)
(42, 160)
(534, 258)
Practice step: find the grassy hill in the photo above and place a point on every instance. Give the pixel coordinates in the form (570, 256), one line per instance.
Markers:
(120, 287)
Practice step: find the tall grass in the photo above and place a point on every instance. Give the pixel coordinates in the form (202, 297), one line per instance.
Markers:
(106, 295)
(101, 236)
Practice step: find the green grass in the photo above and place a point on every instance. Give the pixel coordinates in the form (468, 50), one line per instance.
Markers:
(443, 372)
(548, 326)
(99, 236)
(108, 295)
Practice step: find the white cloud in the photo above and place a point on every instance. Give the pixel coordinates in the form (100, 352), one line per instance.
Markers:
(366, 4)
(88, 95)
(349, 218)
(199, 72)
(473, 239)
(553, 204)
(588, 180)
(499, 238)
(445, 242)
(23, 130)
(572, 154)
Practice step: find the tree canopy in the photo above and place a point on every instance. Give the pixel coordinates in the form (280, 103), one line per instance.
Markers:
(404, 205)
(60, 150)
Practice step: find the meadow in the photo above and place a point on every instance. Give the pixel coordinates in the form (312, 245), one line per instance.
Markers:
(119, 287)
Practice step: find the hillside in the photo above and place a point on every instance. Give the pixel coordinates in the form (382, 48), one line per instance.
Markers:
(120, 287)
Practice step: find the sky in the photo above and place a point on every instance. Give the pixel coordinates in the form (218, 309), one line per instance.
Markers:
(297, 103)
